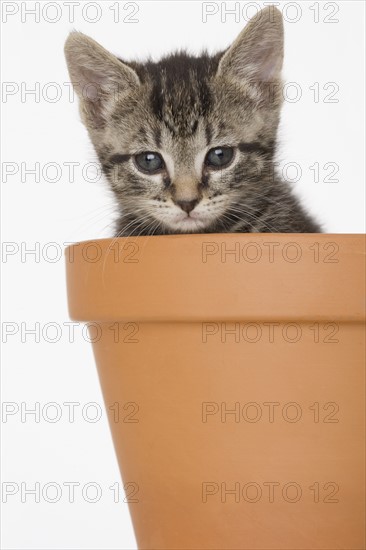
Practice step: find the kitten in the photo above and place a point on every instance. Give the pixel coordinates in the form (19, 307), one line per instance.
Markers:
(188, 143)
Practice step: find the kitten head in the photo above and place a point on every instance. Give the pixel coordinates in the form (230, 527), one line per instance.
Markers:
(182, 140)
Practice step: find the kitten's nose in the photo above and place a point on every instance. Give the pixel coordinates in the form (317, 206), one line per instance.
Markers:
(187, 206)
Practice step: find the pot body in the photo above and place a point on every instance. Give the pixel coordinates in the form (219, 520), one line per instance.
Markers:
(233, 374)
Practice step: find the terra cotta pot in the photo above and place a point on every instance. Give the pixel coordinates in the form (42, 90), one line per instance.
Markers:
(232, 369)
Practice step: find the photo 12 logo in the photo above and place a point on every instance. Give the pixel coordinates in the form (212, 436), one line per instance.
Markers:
(269, 252)
(70, 12)
(292, 12)
(53, 492)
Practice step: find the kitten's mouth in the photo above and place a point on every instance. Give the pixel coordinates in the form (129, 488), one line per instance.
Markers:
(189, 218)
(191, 221)
(187, 222)
(179, 221)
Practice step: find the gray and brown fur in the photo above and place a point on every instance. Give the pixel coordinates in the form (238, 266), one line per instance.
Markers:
(181, 107)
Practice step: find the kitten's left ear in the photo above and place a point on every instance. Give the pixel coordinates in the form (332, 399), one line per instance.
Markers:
(97, 75)
(257, 53)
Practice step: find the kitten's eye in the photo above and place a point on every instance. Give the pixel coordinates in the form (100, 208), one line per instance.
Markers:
(149, 162)
(218, 157)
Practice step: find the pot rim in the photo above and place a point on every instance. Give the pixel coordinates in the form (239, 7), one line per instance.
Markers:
(218, 277)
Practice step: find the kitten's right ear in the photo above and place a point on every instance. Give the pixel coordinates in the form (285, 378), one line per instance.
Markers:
(97, 76)
(257, 53)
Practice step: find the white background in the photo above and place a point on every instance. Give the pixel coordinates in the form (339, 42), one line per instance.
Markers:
(35, 214)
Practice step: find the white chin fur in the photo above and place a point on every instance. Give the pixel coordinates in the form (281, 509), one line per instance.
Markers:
(184, 224)
(188, 225)
(178, 221)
